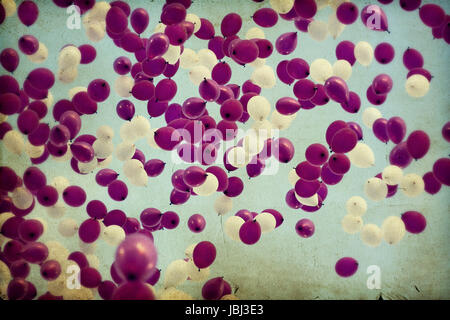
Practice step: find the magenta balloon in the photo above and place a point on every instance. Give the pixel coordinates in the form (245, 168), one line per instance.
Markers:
(353, 104)
(347, 13)
(135, 258)
(379, 129)
(83, 104)
(150, 217)
(244, 51)
(215, 44)
(373, 98)
(173, 13)
(346, 267)
(418, 144)
(170, 220)
(139, 20)
(133, 290)
(337, 89)
(72, 121)
(307, 171)
(250, 232)
(89, 230)
(305, 8)
(167, 138)
(125, 109)
(231, 24)
(304, 89)
(384, 53)
(283, 73)
(221, 73)
(179, 197)
(82, 151)
(305, 228)
(414, 221)
(432, 15)
(27, 121)
(316, 154)
(345, 51)
(35, 252)
(344, 140)
(154, 67)
(204, 254)
(298, 68)
(412, 58)
(396, 129)
(321, 98)
(291, 200)
(177, 34)
(157, 45)
(28, 12)
(206, 31)
(156, 108)
(328, 176)
(235, 187)
(446, 131)
(432, 185)
(47, 196)
(287, 105)
(221, 176)
(382, 84)
(28, 44)
(255, 168)
(88, 53)
(9, 59)
(302, 24)
(339, 163)
(441, 170)
(41, 78)
(265, 17)
(286, 43)
(399, 155)
(209, 90)
(194, 107)
(283, 150)
(30, 230)
(118, 190)
(213, 289)
(374, 18)
(196, 223)
(33, 92)
(306, 189)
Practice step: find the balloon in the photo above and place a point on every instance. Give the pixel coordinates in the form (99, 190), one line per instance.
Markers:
(375, 189)
(351, 224)
(264, 77)
(371, 235)
(379, 128)
(135, 257)
(384, 53)
(265, 17)
(282, 74)
(374, 18)
(412, 58)
(305, 228)
(318, 30)
(432, 15)
(370, 115)
(176, 273)
(417, 86)
(412, 185)
(320, 70)
(396, 129)
(337, 89)
(286, 43)
(393, 229)
(418, 143)
(346, 267)
(363, 53)
(283, 150)
(382, 84)
(414, 221)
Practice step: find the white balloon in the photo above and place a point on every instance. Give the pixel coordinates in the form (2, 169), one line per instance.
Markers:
(102, 148)
(57, 210)
(232, 226)
(370, 115)
(159, 28)
(334, 26)
(258, 107)
(60, 183)
(131, 167)
(40, 55)
(371, 235)
(356, 206)
(73, 91)
(22, 198)
(195, 20)
(237, 157)
(393, 229)
(99, 11)
(33, 151)
(95, 31)
(208, 187)
(343, 69)
(363, 53)
(263, 129)
(253, 143)
(362, 156)
(68, 227)
(255, 33)
(318, 30)
(310, 201)
(282, 6)
(67, 75)
(173, 54)
(125, 151)
(141, 126)
(140, 179)
(88, 167)
(375, 189)
(207, 58)
(49, 100)
(93, 261)
(69, 57)
(293, 177)
(412, 185)
(223, 205)
(113, 235)
(123, 86)
(151, 139)
(392, 175)
(105, 163)
(87, 248)
(195, 273)
(9, 6)
(190, 250)
(264, 77)
(3, 117)
(56, 251)
(266, 221)
(189, 58)
(352, 224)
(13, 142)
(176, 273)
(280, 121)
(417, 86)
(258, 63)
(320, 70)
(105, 133)
(198, 73)
(127, 132)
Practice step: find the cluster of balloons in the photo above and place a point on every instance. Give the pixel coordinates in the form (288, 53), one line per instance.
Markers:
(196, 138)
